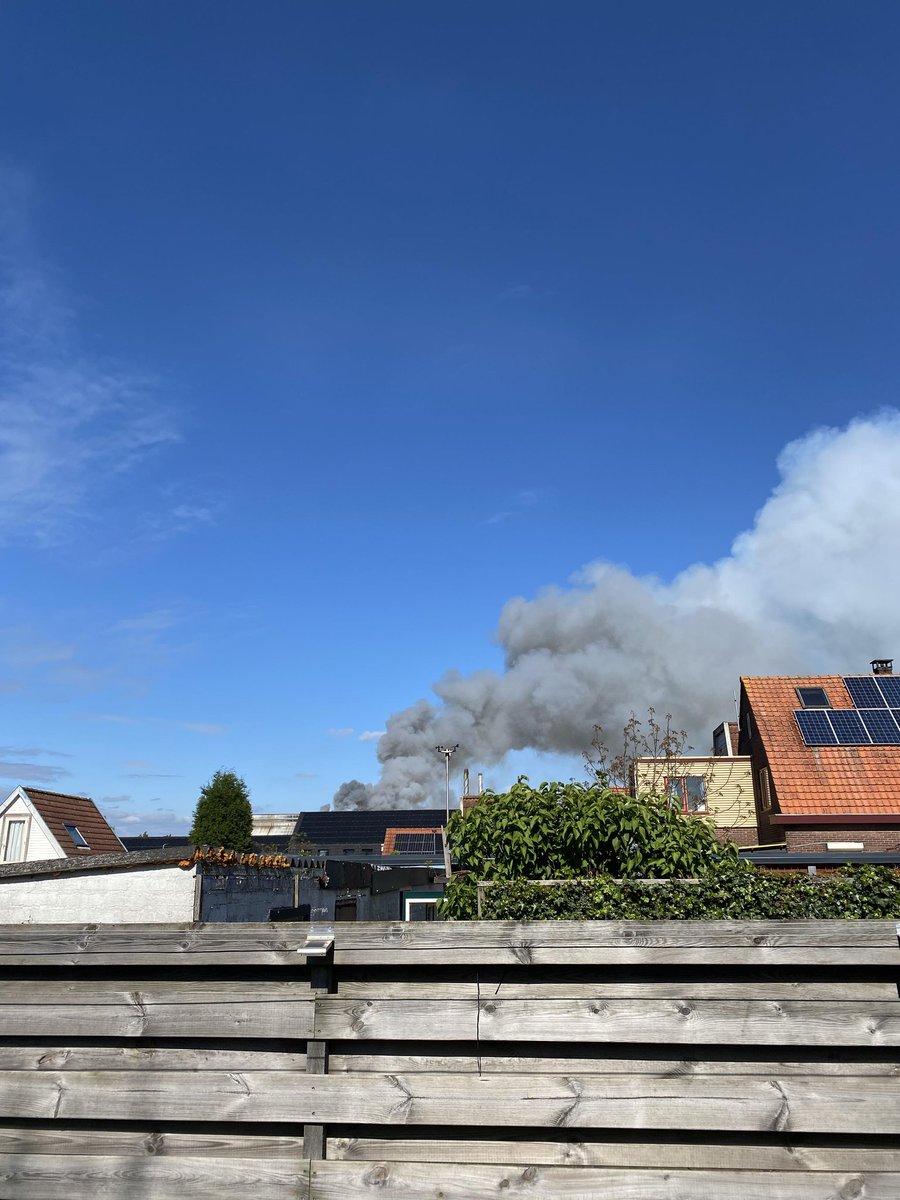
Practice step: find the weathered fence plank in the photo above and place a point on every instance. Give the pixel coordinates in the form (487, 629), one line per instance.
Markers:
(50, 1176)
(491, 1064)
(57, 1138)
(812, 1023)
(493, 983)
(163, 1008)
(644, 943)
(796, 1103)
(442, 935)
(349, 1181)
(215, 945)
(758, 1156)
(146, 1058)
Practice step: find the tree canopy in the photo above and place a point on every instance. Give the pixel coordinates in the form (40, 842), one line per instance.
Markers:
(572, 830)
(223, 816)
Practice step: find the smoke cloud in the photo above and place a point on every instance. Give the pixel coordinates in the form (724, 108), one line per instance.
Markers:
(811, 587)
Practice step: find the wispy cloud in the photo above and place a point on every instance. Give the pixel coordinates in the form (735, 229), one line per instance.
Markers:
(370, 735)
(131, 822)
(207, 728)
(345, 732)
(306, 774)
(181, 509)
(526, 498)
(32, 752)
(26, 772)
(70, 423)
(151, 775)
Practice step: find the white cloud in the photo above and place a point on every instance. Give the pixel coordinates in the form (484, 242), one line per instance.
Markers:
(344, 732)
(69, 422)
(129, 822)
(371, 735)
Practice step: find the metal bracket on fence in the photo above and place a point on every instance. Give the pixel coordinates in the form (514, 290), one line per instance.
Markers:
(319, 941)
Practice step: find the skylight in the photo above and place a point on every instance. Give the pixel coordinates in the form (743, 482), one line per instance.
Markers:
(77, 836)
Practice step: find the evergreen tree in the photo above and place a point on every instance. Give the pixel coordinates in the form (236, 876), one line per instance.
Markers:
(223, 816)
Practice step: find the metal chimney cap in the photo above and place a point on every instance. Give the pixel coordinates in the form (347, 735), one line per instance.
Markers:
(882, 666)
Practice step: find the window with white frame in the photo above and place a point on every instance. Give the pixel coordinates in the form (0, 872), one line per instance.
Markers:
(14, 839)
(687, 793)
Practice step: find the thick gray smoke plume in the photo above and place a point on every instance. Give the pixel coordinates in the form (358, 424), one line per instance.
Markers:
(352, 794)
(814, 586)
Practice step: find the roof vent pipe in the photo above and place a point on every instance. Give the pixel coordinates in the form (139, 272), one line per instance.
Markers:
(882, 666)
(480, 783)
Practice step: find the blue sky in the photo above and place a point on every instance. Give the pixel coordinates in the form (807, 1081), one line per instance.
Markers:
(327, 329)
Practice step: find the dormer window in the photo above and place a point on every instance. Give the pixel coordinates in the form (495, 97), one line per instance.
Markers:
(77, 836)
(813, 697)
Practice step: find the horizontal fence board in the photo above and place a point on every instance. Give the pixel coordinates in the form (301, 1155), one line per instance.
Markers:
(644, 943)
(145, 1058)
(759, 1156)
(675, 1021)
(490, 1064)
(118, 1143)
(210, 945)
(413, 988)
(865, 1104)
(84, 1008)
(625, 955)
(48, 1177)
(446, 934)
(348, 1181)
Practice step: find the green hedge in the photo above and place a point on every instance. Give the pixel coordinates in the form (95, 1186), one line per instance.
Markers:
(739, 893)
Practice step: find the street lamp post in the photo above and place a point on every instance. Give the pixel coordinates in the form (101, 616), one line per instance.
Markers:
(447, 751)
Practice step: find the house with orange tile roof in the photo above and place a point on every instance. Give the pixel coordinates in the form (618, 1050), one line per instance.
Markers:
(36, 824)
(825, 758)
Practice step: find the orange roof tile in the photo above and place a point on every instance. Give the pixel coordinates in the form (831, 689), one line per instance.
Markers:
(819, 779)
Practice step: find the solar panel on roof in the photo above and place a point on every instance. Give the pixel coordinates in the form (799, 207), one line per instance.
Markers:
(890, 687)
(815, 727)
(883, 729)
(848, 726)
(418, 843)
(864, 692)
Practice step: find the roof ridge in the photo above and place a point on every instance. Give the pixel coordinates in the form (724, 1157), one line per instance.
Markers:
(28, 787)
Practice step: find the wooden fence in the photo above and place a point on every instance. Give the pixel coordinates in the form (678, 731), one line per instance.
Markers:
(432, 1061)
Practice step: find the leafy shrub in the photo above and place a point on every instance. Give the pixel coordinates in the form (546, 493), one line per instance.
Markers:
(738, 892)
(569, 830)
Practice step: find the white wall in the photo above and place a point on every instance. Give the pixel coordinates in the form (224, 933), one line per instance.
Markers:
(37, 845)
(143, 894)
